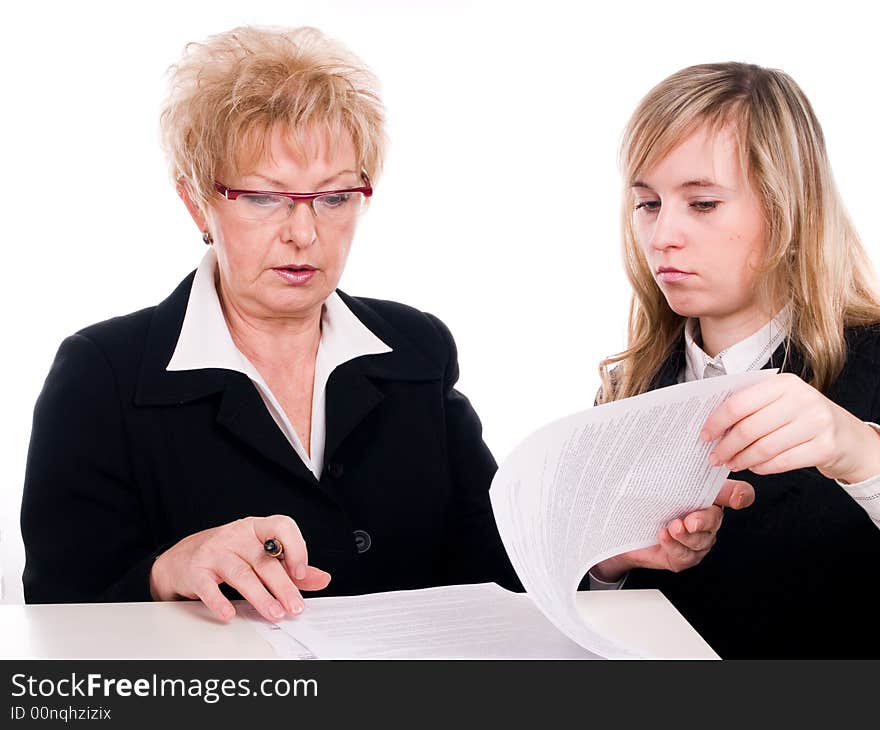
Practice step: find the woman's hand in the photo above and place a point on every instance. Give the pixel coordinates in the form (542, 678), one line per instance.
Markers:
(783, 423)
(234, 554)
(683, 542)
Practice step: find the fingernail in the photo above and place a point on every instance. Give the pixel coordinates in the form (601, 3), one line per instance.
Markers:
(698, 526)
(300, 572)
(704, 435)
(298, 608)
(713, 459)
(227, 612)
(275, 610)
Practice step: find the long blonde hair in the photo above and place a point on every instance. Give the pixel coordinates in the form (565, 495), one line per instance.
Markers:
(813, 258)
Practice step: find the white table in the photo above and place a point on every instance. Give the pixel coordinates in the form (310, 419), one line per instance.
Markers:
(185, 629)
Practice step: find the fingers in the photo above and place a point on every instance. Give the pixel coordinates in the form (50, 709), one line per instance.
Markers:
(677, 555)
(750, 429)
(238, 573)
(282, 527)
(736, 494)
(315, 580)
(685, 542)
(703, 520)
(742, 404)
(700, 539)
(208, 592)
(234, 554)
(774, 444)
(794, 458)
(274, 576)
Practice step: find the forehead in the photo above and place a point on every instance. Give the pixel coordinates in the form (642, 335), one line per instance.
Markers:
(704, 155)
(309, 155)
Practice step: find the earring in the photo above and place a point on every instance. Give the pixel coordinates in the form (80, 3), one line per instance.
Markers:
(206, 237)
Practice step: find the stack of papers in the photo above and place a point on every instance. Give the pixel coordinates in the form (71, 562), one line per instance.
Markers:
(578, 491)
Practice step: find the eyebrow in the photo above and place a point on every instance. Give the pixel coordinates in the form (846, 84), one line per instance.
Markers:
(702, 182)
(280, 185)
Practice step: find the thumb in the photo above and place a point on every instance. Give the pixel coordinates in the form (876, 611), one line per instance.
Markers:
(735, 494)
(315, 579)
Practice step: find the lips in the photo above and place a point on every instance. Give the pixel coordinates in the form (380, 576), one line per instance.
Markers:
(295, 267)
(669, 274)
(295, 274)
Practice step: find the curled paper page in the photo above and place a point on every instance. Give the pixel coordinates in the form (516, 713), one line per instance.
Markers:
(603, 482)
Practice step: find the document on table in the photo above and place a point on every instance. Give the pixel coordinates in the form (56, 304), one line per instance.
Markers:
(453, 622)
(603, 482)
(579, 490)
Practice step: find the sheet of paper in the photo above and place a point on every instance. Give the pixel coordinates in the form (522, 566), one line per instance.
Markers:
(603, 482)
(452, 622)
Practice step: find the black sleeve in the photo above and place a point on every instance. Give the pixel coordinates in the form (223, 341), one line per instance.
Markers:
(82, 519)
(475, 553)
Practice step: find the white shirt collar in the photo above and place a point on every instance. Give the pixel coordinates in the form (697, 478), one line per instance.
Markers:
(205, 342)
(751, 353)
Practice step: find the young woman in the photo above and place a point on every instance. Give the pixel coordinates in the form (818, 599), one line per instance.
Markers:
(741, 256)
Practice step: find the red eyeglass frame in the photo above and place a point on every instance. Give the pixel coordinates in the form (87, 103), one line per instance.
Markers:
(232, 194)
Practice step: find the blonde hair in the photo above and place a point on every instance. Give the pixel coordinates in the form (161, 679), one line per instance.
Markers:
(228, 94)
(813, 257)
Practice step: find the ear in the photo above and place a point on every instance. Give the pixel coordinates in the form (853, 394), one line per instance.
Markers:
(185, 193)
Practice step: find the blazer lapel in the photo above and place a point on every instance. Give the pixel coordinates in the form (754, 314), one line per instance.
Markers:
(351, 395)
(670, 369)
(354, 388)
(158, 386)
(788, 360)
(241, 411)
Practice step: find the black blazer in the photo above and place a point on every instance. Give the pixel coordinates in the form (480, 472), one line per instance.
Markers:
(797, 573)
(126, 459)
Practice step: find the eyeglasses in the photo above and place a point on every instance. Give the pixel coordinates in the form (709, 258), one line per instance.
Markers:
(271, 206)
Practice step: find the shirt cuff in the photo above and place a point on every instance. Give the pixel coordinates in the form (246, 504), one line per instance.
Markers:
(601, 585)
(866, 493)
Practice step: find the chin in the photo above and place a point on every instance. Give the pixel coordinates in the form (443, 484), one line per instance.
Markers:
(293, 302)
(689, 306)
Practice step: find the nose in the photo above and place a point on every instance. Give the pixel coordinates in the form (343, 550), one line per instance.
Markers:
(668, 231)
(298, 227)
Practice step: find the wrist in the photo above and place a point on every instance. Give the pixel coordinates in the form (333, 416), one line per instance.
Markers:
(863, 459)
(612, 569)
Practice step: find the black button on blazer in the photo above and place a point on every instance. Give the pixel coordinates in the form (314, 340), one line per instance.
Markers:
(127, 458)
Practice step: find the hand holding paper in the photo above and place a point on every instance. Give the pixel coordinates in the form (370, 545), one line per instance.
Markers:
(604, 482)
(784, 423)
(682, 543)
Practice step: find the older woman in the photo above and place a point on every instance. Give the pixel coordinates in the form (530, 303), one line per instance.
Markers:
(741, 256)
(257, 388)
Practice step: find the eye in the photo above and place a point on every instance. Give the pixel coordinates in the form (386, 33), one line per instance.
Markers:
(704, 206)
(262, 201)
(336, 200)
(648, 206)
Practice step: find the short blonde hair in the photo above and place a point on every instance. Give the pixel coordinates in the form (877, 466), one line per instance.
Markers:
(228, 93)
(813, 260)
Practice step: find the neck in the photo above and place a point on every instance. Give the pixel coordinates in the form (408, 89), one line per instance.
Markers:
(719, 333)
(274, 342)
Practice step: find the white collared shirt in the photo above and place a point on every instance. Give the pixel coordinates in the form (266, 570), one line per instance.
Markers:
(205, 342)
(753, 353)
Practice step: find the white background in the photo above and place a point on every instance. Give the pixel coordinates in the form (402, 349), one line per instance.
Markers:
(499, 205)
